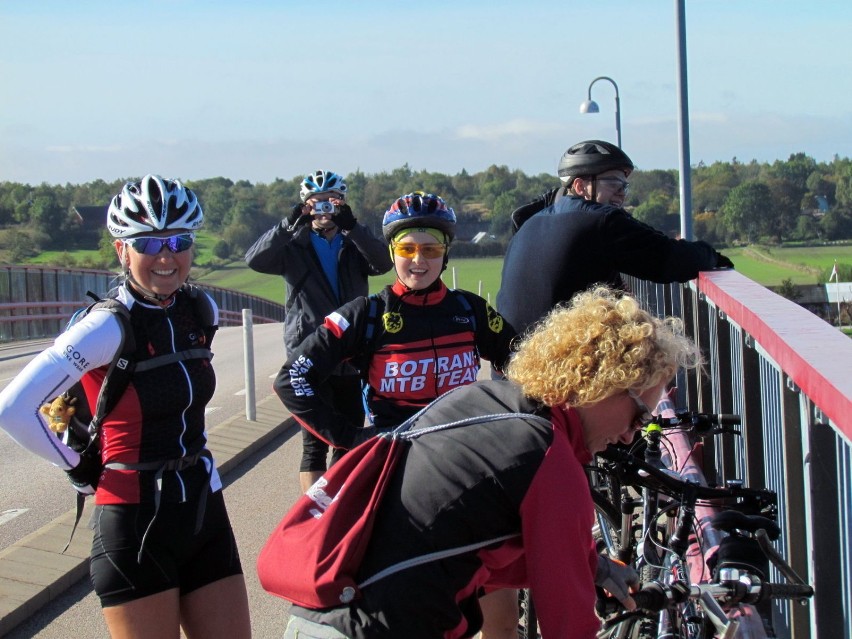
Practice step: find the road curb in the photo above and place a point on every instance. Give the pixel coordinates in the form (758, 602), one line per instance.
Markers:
(34, 570)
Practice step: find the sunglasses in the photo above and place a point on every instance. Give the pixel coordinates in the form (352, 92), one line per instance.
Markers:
(429, 251)
(153, 245)
(643, 413)
(620, 184)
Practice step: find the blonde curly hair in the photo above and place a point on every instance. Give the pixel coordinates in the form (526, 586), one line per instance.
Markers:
(600, 344)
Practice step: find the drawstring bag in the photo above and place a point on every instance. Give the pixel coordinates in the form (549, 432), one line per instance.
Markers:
(313, 555)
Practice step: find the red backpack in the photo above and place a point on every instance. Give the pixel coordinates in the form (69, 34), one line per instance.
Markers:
(313, 555)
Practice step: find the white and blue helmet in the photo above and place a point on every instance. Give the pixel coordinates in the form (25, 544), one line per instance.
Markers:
(322, 182)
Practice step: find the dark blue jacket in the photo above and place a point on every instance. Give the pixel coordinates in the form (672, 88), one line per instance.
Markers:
(574, 244)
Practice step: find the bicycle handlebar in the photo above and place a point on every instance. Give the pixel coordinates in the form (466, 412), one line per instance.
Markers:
(701, 423)
(654, 596)
(644, 474)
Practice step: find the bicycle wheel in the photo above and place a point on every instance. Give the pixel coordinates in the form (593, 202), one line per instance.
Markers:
(632, 628)
(528, 622)
(607, 529)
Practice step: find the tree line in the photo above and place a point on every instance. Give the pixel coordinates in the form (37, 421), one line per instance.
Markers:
(798, 199)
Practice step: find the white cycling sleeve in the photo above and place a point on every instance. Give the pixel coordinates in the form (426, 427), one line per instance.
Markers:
(87, 345)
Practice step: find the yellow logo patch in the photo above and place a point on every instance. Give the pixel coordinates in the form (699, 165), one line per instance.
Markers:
(392, 322)
(495, 320)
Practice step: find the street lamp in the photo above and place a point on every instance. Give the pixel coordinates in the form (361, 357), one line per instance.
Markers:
(590, 106)
(683, 124)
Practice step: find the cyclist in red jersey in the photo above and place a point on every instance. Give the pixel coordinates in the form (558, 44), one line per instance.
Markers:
(413, 341)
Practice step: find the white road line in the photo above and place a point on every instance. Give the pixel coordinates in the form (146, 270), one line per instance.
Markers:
(9, 515)
(211, 409)
(240, 392)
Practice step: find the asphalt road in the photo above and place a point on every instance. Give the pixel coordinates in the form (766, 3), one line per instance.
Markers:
(33, 492)
(257, 494)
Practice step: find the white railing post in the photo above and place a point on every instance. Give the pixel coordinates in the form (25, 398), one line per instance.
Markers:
(248, 349)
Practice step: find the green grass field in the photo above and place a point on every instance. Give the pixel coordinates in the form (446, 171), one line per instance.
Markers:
(767, 266)
(468, 275)
(771, 265)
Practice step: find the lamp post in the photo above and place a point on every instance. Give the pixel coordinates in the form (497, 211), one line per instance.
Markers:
(590, 106)
(683, 124)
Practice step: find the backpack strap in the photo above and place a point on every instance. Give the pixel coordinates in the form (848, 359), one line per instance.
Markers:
(372, 317)
(120, 368)
(433, 556)
(115, 383)
(204, 309)
(402, 432)
(468, 308)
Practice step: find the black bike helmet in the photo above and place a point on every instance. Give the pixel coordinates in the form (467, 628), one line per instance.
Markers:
(591, 157)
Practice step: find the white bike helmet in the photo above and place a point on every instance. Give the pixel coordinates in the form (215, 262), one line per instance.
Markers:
(152, 205)
(322, 182)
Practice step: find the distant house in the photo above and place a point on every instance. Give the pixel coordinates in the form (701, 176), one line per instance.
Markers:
(92, 222)
(824, 299)
(838, 292)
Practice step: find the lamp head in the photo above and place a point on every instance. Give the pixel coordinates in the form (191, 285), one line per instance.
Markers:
(589, 106)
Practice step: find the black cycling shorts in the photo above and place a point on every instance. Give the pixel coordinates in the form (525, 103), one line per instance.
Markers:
(174, 556)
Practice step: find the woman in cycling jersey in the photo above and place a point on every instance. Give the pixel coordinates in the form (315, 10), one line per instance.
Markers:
(413, 341)
(163, 553)
(590, 370)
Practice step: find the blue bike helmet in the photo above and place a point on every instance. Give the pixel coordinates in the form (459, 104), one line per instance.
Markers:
(419, 209)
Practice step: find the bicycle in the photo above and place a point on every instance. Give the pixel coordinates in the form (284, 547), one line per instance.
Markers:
(723, 559)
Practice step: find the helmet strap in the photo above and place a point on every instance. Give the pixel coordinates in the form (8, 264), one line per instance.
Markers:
(151, 296)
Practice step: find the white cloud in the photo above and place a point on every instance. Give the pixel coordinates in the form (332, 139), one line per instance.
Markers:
(503, 130)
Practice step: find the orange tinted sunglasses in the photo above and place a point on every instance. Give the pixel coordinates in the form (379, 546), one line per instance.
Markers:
(410, 249)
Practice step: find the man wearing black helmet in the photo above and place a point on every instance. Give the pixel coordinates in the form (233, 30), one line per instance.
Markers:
(578, 235)
(324, 256)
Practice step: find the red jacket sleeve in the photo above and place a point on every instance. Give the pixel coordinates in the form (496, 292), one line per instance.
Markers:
(557, 516)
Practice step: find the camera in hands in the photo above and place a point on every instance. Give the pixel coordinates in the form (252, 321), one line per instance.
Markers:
(325, 208)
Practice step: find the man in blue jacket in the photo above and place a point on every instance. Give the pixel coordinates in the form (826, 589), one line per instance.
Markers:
(325, 257)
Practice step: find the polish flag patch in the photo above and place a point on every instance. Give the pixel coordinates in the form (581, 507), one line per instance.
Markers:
(336, 323)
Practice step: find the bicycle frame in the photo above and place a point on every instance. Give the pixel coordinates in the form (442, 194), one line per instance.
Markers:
(683, 558)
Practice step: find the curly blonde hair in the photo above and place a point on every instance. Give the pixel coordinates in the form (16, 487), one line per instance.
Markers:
(600, 344)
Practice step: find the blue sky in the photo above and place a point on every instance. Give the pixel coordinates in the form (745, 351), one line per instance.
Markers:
(260, 90)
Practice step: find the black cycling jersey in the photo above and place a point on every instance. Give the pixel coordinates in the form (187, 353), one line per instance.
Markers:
(412, 347)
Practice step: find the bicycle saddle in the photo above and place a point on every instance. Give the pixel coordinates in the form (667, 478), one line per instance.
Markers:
(730, 520)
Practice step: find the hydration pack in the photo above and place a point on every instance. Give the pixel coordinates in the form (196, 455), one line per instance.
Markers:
(82, 432)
